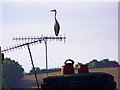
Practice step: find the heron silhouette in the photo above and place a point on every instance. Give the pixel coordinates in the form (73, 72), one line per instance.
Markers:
(56, 25)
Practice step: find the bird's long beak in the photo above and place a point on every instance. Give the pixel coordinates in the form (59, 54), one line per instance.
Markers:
(52, 10)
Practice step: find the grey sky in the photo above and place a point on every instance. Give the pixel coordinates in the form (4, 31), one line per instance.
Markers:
(91, 29)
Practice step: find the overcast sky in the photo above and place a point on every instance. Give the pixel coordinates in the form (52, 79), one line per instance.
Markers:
(91, 29)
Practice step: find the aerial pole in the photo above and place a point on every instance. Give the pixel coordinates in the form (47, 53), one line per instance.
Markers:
(46, 58)
(33, 67)
(0, 69)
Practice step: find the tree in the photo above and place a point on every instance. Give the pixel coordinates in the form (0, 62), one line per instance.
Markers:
(37, 70)
(12, 73)
(102, 63)
(92, 64)
(107, 63)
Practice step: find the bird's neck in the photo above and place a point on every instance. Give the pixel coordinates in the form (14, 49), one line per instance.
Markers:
(55, 15)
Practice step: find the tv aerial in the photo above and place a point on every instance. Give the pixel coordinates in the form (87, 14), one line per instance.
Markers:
(33, 40)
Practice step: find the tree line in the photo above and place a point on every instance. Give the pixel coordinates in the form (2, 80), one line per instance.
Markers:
(40, 71)
(103, 63)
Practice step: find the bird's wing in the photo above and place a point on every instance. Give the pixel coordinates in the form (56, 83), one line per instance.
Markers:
(56, 28)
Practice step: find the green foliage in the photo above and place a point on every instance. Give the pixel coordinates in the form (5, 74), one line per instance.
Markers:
(5, 89)
(101, 64)
(92, 64)
(39, 71)
(12, 73)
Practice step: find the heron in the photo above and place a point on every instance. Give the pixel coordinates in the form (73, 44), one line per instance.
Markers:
(56, 25)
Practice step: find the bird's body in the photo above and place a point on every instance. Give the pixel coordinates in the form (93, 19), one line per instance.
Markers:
(56, 25)
(56, 28)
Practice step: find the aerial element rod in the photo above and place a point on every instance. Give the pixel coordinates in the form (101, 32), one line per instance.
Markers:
(21, 45)
(42, 38)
